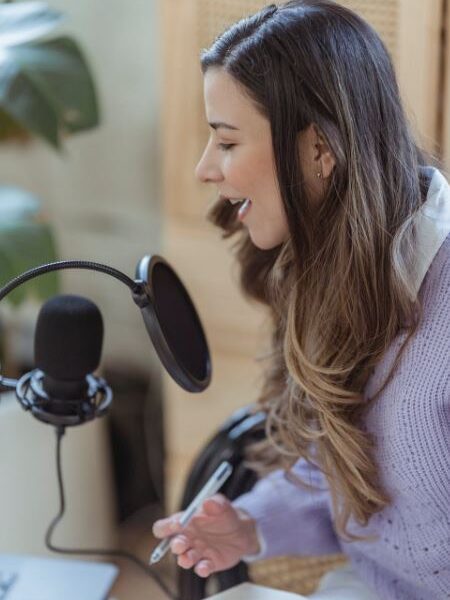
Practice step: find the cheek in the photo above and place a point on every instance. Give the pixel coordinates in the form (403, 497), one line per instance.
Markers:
(249, 170)
(262, 187)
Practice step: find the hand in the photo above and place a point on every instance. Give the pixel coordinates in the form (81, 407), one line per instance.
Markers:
(215, 539)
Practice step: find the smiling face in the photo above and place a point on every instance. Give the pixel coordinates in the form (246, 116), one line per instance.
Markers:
(239, 160)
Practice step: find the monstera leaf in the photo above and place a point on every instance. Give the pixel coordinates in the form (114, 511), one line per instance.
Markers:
(46, 87)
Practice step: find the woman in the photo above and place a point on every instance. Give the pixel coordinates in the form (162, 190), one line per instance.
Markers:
(343, 232)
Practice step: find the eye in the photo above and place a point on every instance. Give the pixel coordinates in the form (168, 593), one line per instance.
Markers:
(225, 147)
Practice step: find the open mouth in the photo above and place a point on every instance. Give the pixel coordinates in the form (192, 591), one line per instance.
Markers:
(233, 201)
(243, 204)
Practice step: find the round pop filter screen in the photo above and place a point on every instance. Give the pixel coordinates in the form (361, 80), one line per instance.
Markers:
(175, 327)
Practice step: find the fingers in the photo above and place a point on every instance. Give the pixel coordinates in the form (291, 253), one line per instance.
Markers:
(204, 568)
(212, 507)
(165, 527)
(182, 544)
(188, 557)
(179, 544)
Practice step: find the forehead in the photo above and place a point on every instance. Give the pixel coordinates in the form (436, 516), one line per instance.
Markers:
(225, 101)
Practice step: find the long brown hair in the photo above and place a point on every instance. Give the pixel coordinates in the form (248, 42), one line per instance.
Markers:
(341, 288)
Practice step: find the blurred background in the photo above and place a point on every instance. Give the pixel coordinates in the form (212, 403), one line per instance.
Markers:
(96, 197)
(124, 188)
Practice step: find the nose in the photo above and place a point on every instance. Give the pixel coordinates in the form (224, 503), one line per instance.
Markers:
(207, 169)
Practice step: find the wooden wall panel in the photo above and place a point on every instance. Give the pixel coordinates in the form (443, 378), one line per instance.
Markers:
(446, 103)
(418, 65)
(235, 329)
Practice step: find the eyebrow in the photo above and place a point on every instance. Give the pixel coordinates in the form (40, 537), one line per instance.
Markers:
(217, 125)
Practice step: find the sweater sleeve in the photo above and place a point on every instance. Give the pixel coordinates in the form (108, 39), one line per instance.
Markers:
(291, 518)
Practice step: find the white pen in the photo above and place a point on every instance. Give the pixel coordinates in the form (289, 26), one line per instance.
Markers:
(212, 486)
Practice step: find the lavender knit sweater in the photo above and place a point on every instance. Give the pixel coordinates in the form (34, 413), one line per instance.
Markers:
(410, 558)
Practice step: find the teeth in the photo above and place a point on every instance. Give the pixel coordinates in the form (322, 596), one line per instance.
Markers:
(236, 200)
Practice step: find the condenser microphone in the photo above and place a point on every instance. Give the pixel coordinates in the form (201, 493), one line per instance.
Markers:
(62, 389)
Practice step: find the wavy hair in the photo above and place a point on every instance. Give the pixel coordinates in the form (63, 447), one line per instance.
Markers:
(340, 289)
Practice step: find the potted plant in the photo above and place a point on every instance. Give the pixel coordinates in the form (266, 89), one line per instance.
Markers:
(46, 90)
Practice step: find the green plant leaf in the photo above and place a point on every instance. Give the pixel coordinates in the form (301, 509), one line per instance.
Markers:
(46, 87)
(24, 245)
(59, 70)
(25, 103)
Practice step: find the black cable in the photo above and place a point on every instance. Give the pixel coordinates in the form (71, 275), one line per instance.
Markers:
(60, 430)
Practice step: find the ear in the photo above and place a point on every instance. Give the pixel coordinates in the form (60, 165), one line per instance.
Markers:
(323, 156)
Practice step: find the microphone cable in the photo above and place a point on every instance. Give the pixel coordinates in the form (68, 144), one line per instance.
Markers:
(60, 430)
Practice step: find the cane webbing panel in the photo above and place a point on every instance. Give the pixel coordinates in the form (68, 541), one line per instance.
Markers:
(446, 100)
(214, 16)
(299, 575)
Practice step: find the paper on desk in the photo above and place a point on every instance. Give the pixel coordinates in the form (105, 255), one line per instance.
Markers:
(250, 591)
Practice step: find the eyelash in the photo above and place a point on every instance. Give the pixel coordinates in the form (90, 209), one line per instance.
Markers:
(225, 147)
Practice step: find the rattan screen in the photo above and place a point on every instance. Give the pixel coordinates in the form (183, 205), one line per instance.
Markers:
(214, 16)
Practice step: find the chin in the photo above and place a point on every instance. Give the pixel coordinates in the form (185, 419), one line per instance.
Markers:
(265, 243)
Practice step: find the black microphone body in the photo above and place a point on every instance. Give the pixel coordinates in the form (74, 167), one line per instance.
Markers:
(68, 342)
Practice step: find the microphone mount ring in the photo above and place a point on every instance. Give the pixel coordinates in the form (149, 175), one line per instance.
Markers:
(95, 405)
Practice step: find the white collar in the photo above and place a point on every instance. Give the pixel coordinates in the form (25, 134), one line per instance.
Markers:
(432, 224)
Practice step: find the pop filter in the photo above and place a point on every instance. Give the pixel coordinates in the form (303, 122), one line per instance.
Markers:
(174, 325)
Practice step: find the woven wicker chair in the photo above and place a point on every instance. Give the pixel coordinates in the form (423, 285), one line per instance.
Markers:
(300, 575)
